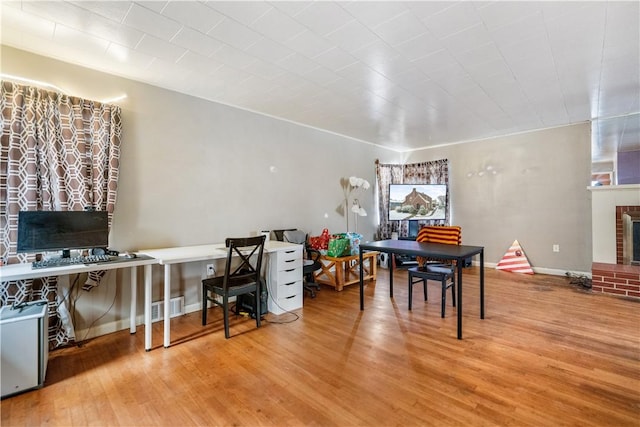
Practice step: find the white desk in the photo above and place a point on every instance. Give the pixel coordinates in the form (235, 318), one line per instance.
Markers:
(179, 255)
(24, 271)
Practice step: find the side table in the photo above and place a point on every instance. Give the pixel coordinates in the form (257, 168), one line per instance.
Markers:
(342, 271)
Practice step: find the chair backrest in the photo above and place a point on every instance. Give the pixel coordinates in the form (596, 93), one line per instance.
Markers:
(295, 236)
(248, 250)
(280, 233)
(446, 234)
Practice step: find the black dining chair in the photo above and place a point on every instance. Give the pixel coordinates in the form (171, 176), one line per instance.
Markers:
(438, 270)
(242, 278)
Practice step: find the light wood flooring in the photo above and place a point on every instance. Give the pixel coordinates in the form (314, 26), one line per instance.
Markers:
(547, 354)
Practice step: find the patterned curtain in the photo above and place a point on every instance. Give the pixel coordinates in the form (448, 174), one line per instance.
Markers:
(58, 153)
(434, 172)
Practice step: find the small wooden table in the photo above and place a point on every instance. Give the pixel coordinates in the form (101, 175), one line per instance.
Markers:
(345, 270)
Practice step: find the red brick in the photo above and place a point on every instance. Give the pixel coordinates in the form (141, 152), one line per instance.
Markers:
(628, 276)
(630, 288)
(616, 280)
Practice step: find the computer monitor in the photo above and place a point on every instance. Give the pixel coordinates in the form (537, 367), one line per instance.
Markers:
(41, 231)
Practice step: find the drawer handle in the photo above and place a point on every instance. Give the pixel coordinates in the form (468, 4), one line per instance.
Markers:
(292, 296)
(289, 284)
(293, 269)
(290, 260)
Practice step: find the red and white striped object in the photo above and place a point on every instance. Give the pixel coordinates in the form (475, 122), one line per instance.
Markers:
(515, 260)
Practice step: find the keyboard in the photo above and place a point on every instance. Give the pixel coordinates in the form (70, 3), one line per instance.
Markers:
(61, 262)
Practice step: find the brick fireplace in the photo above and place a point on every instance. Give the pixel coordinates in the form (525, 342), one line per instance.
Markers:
(620, 278)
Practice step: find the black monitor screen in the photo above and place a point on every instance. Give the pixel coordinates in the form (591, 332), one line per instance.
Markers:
(40, 231)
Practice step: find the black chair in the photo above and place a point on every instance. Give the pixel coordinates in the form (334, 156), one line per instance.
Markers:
(245, 278)
(439, 271)
(311, 261)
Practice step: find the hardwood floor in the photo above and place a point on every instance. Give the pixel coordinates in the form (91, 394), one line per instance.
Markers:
(547, 354)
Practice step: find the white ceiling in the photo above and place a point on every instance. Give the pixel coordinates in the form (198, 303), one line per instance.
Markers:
(403, 75)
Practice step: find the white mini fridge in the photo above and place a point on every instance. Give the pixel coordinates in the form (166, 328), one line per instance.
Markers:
(24, 347)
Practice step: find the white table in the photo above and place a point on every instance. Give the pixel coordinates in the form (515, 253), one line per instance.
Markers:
(24, 271)
(179, 255)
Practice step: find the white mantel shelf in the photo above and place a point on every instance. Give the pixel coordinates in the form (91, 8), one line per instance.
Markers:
(615, 187)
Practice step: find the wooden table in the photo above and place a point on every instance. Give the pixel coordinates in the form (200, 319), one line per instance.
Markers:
(345, 270)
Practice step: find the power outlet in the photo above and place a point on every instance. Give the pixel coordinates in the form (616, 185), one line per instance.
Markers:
(556, 248)
(210, 270)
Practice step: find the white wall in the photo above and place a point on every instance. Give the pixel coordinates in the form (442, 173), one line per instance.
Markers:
(538, 195)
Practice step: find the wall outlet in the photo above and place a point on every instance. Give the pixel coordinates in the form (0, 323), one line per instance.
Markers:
(210, 270)
(556, 248)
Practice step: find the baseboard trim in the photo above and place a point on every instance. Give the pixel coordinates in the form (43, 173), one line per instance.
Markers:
(542, 270)
(119, 325)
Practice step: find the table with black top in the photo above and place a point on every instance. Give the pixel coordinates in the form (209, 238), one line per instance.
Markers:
(428, 250)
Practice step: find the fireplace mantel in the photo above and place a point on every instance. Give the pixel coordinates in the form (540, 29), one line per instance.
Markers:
(608, 274)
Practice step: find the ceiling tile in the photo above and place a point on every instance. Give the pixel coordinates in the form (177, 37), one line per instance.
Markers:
(194, 15)
(233, 57)
(122, 56)
(277, 25)
(194, 61)
(374, 13)
(196, 42)
(79, 40)
(419, 47)
(308, 44)
(298, 64)
(268, 50)
(114, 10)
(323, 17)
(400, 28)
(234, 34)
(13, 20)
(159, 48)
(150, 22)
(467, 39)
(454, 19)
(497, 14)
(291, 8)
(264, 69)
(244, 12)
(352, 36)
(335, 59)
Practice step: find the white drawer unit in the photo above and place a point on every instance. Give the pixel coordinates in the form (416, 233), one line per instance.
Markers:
(284, 279)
